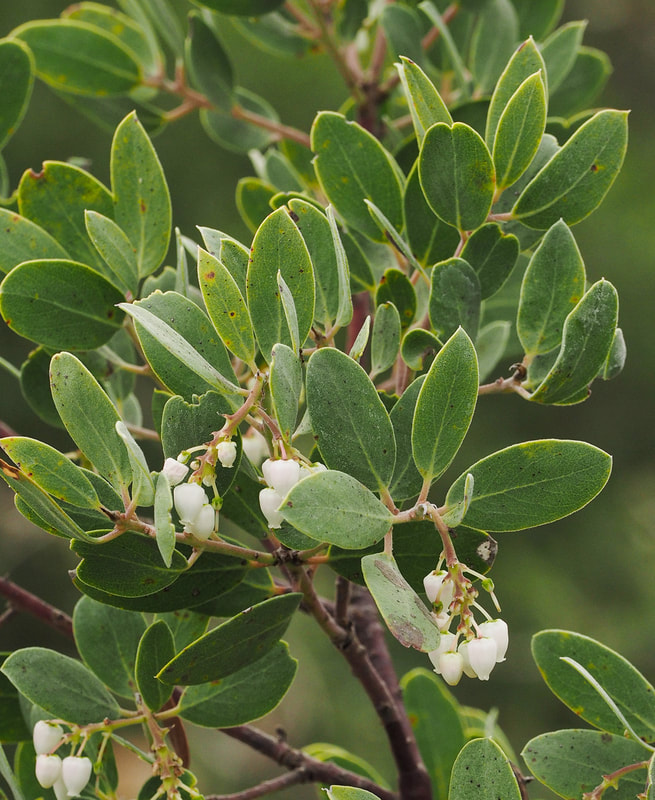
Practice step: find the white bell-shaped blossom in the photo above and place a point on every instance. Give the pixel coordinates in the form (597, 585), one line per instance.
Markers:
(60, 790)
(463, 650)
(175, 471)
(482, 656)
(269, 502)
(281, 474)
(254, 446)
(204, 524)
(497, 630)
(48, 769)
(227, 453)
(75, 772)
(189, 498)
(451, 666)
(46, 736)
(439, 588)
(446, 643)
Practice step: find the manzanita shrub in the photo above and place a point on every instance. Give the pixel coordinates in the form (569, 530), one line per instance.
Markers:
(305, 392)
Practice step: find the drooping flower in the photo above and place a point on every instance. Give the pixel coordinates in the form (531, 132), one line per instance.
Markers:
(451, 666)
(497, 630)
(46, 736)
(48, 769)
(281, 474)
(174, 470)
(227, 453)
(269, 502)
(75, 772)
(482, 656)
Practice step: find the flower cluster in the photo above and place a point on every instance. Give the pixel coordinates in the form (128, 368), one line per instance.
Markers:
(475, 648)
(196, 513)
(68, 776)
(281, 475)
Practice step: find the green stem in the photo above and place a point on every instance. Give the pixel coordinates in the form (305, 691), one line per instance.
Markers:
(9, 367)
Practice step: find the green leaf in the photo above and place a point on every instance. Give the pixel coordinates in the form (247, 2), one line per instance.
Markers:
(585, 81)
(143, 487)
(116, 250)
(406, 481)
(290, 314)
(107, 639)
(334, 507)
(274, 33)
(559, 52)
(56, 199)
(407, 618)
(436, 724)
(385, 339)
(352, 166)
(553, 285)
(632, 693)
(317, 235)
(352, 428)
(51, 470)
(186, 626)
(226, 307)
(60, 685)
(285, 382)
(532, 483)
(445, 406)
(142, 205)
(243, 696)
(235, 644)
(80, 58)
(254, 201)
(349, 793)
(129, 566)
(236, 134)
(452, 58)
(454, 298)
(525, 61)
(424, 101)
(519, 131)
(492, 254)
(395, 287)
(155, 650)
(538, 17)
(333, 754)
(493, 41)
(90, 418)
(278, 246)
(16, 81)
(457, 175)
(403, 29)
(245, 8)
(345, 305)
(40, 507)
(572, 762)
(60, 304)
(491, 345)
(188, 358)
(575, 181)
(164, 528)
(483, 772)
(207, 62)
(430, 238)
(586, 344)
(23, 240)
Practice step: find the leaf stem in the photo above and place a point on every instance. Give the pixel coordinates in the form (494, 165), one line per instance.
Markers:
(9, 367)
(612, 779)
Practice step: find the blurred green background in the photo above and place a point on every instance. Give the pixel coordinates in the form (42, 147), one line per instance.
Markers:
(593, 572)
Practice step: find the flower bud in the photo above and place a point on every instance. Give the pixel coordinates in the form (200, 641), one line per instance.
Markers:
(189, 498)
(46, 736)
(446, 642)
(227, 453)
(76, 772)
(204, 524)
(281, 474)
(497, 630)
(482, 657)
(269, 502)
(463, 650)
(451, 666)
(174, 471)
(48, 769)
(439, 588)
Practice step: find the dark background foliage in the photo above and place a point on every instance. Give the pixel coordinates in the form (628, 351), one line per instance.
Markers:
(592, 573)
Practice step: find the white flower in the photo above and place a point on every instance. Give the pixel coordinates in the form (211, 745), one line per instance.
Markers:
(48, 769)
(269, 502)
(482, 657)
(254, 446)
(497, 630)
(463, 650)
(60, 790)
(442, 619)
(189, 498)
(446, 643)
(76, 772)
(174, 470)
(227, 453)
(451, 666)
(204, 524)
(281, 474)
(46, 737)
(439, 588)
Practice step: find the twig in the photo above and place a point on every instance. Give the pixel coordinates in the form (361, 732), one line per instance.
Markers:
(294, 778)
(280, 130)
(317, 771)
(22, 600)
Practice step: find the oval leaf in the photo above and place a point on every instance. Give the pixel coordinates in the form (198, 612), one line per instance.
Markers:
(334, 507)
(285, 381)
(531, 484)
(352, 427)
(385, 339)
(483, 772)
(424, 101)
(155, 649)
(455, 297)
(405, 614)
(235, 644)
(16, 81)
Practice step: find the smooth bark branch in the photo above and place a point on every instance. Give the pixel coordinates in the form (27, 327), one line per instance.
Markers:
(286, 756)
(22, 600)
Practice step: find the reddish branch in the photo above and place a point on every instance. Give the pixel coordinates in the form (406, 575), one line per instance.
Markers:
(22, 600)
